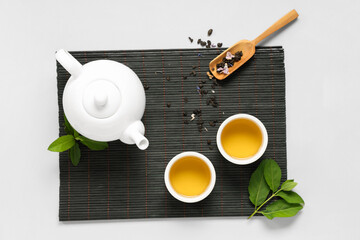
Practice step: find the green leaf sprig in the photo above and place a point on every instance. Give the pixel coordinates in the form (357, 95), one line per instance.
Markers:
(267, 178)
(70, 142)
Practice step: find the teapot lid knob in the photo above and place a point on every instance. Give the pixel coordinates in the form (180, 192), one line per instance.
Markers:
(101, 99)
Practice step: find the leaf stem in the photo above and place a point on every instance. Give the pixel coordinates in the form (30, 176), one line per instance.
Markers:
(256, 210)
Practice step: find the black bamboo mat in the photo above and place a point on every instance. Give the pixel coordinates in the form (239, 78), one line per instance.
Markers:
(124, 182)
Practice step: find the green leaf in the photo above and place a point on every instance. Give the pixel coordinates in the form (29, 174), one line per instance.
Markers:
(290, 197)
(258, 188)
(272, 173)
(93, 145)
(288, 185)
(62, 144)
(281, 208)
(75, 154)
(68, 128)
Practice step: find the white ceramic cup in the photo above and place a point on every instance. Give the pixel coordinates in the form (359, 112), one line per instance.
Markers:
(262, 148)
(190, 199)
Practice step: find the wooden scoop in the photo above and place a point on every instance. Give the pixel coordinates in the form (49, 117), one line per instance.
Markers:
(248, 47)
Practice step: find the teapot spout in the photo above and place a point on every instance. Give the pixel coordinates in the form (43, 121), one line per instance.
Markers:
(68, 62)
(136, 133)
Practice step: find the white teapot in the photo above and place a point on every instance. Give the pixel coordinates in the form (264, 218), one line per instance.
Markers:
(104, 100)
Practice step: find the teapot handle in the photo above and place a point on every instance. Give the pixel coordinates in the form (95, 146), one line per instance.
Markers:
(68, 62)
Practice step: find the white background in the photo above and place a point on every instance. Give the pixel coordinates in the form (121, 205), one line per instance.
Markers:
(322, 60)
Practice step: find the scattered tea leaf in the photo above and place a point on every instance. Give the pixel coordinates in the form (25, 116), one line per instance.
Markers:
(272, 173)
(258, 188)
(197, 111)
(191, 40)
(75, 154)
(146, 87)
(210, 32)
(62, 143)
(281, 208)
(290, 197)
(212, 101)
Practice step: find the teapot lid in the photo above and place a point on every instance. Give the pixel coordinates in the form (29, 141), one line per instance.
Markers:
(101, 98)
